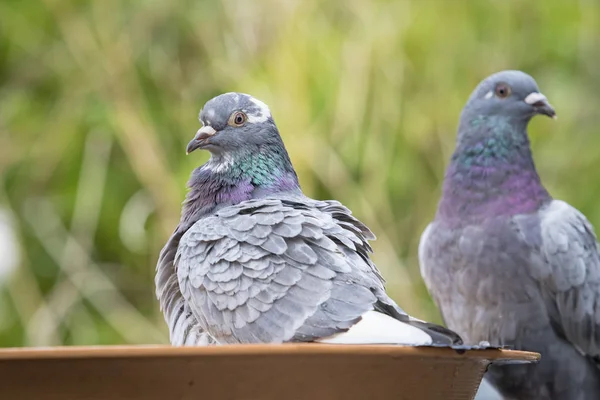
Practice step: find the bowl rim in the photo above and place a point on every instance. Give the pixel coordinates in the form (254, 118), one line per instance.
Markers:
(242, 350)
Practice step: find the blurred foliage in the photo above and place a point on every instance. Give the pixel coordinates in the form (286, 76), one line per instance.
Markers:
(98, 100)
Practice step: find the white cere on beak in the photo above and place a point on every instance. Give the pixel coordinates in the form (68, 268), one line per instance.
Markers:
(535, 97)
(206, 130)
(263, 113)
(489, 95)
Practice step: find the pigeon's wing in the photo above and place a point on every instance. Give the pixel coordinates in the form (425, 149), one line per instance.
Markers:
(183, 326)
(569, 275)
(275, 270)
(411, 329)
(429, 266)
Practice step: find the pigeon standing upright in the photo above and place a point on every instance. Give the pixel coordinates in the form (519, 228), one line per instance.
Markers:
(253, 260)
(507, 263)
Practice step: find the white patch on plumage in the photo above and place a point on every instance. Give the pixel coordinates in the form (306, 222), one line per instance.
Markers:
(263, 115)
(421, 251)
(219, 164)
(556, 212)
(9, 246)
(489, 95)
(378, 328)
(210, 114)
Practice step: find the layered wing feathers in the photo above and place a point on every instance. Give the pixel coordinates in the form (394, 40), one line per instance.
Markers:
(276, 270)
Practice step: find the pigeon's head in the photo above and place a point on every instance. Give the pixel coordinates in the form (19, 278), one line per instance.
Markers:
(234, 122)
(512, 94)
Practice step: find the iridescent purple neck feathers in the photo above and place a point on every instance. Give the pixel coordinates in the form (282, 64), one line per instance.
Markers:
(491, 172)
(233, 178)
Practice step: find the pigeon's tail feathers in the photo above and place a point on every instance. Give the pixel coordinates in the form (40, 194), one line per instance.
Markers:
(380, 328)
(440, 336)
(377, 328)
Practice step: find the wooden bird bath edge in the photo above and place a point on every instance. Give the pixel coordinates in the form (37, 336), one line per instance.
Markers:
(248, 372)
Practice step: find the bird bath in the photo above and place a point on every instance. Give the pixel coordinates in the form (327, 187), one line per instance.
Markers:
(261, 372)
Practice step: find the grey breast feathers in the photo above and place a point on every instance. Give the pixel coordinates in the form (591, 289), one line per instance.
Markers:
(275, 270)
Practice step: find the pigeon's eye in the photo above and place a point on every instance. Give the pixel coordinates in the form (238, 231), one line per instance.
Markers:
(502, 90)
(237, 119)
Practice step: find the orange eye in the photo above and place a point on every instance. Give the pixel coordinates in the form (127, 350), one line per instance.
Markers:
(238, 118)
(502, 90)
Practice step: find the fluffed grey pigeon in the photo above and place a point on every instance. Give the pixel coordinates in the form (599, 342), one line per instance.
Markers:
(504, 261)
(254, 260)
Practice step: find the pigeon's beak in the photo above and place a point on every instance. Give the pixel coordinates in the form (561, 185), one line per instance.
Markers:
(200, 139)
(540, 104)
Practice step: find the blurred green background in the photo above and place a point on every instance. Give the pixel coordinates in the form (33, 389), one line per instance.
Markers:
(98, 100)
